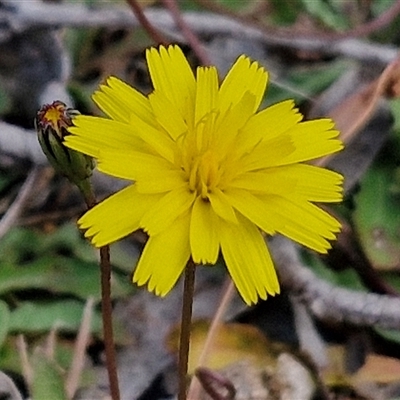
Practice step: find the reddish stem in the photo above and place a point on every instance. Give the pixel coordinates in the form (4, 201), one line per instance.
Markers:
(146, 24)
(190, 36)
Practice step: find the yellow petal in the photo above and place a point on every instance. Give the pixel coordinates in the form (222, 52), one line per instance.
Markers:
(221, 205)
(172, 205)
(268, 124)
(117, 216)
(268, 153)
(167, 115)
(206, 93)
(244, 76)
(162, 181)
(304, 222)
(171, 74)
(295, 218)
(248, 260)
(119, 100)
(312, 183)
(304, 141)
(133, 165)
(89, 135)
(256, 210)
(231, 122)
(268, 181)
(293, 181)
(156, 138)
(313, 139)
(164, 258)
(204, 241)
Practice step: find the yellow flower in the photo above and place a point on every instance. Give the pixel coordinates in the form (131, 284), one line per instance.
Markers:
(210, 172)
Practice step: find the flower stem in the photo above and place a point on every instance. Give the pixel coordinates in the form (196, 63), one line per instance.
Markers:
(106, 306)
(184, 341)
(146, 24)
(192, 39)
(106, 312)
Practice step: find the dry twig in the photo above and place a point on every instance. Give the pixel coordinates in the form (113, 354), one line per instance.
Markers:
(78, 361)
(27, 14)
(330, 302)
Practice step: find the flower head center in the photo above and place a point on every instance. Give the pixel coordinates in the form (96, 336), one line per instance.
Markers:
(57, 117)
(204, 173)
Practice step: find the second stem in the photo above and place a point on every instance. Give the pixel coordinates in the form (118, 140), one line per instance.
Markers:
(186, 322)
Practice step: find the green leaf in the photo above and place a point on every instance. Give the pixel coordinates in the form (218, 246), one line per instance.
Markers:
(305, 82)
(23, 244)
(61, 262)
(9, 356)
(377, 213)
(389, 334)
(380, 6)
(68, 237)
(315, 79)
(6, 180)
(395, 109)
(236, 5)
(286, 11)
(347, 278)
(392, 278)
(4, 101)
(326, 13)
(48, 382)
(19, 245)
(60, 275)
(4, 321)
(66, 315)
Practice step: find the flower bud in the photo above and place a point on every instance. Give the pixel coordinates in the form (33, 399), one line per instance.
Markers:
(51, 123)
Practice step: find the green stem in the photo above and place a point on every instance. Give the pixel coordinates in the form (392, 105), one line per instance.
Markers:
(184, 342)
(106, 306)
(106, 312)
(85, 188)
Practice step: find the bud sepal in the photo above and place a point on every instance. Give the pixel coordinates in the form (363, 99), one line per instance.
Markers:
(52, 124)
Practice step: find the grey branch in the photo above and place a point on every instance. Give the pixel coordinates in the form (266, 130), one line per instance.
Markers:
(21, 143)
(20, 16)
(331, 302)
(8, 388)
(27, 14)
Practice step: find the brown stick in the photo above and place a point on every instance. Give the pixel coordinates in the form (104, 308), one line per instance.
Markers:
(146, 24)
(190, 36)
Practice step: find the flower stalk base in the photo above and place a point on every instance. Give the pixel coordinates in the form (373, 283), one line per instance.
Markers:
(184, 340)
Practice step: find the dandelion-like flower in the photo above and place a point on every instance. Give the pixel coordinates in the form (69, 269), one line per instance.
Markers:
(210, 172)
